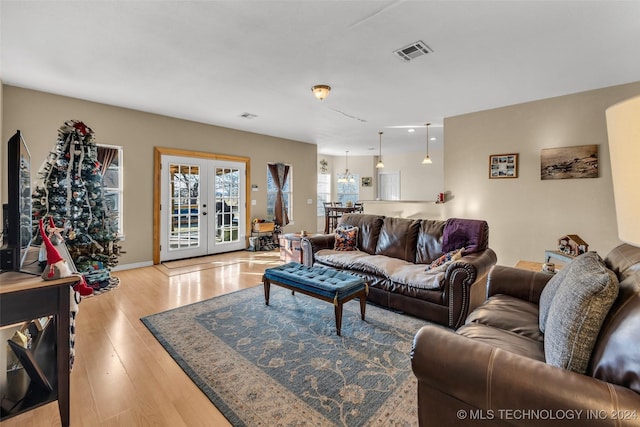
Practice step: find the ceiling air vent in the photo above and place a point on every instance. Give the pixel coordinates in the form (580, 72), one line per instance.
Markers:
(412, 51)
(248, 116)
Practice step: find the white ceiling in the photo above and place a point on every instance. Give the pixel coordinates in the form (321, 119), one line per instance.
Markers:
(211, 61)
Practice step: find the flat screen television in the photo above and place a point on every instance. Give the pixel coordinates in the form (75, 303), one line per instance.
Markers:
(17, 218)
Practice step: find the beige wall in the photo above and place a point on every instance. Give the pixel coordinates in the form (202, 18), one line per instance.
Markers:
(39, 115)
(527, 215)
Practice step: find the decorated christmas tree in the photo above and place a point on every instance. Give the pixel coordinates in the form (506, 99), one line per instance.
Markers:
(70, 191)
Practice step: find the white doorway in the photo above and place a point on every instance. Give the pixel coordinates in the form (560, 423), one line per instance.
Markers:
(388, 185)
(202, 206)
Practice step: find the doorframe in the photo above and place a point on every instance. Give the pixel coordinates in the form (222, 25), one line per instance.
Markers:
(158, 152)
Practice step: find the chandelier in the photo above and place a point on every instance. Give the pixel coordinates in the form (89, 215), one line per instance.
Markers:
(346, 177)
(427, 159)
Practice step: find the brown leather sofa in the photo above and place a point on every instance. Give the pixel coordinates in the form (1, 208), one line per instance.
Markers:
(393, 255)
(492, 370)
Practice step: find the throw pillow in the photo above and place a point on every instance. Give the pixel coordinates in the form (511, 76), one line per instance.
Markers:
(443, 261)
(346, 238)
(549, 291)
(577, 311)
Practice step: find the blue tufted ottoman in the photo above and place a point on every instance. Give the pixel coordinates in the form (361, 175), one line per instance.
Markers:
(322, 283)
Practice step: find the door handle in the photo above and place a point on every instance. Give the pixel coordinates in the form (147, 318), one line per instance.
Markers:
(204, 213)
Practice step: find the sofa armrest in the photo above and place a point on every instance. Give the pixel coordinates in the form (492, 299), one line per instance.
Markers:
(498, 383)
(523, 284)
(311, 245)
(463, 274)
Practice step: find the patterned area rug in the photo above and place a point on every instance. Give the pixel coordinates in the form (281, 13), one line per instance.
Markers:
(284, 365)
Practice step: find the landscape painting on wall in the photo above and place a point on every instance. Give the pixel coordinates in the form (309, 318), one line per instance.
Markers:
(569, 162)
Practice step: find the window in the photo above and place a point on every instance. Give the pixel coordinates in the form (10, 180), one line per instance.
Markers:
(349, 190)
(287, 192)
(323, 191)
(111, 158)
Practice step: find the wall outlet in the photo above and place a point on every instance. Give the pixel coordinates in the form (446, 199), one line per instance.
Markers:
(253, 202)
(309, 201)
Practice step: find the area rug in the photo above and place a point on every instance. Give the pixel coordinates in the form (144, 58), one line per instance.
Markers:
(284, 365)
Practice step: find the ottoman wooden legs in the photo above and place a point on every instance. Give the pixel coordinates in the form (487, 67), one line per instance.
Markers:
(361, 294)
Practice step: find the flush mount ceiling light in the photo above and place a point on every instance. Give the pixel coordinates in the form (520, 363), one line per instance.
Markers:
(320, 91)
(427, 159)
(380, 165)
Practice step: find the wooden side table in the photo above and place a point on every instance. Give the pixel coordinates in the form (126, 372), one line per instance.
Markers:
(24, 298)
(529, 265)
(534, 266)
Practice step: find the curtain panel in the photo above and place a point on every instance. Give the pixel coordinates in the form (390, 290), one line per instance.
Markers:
(280, 173)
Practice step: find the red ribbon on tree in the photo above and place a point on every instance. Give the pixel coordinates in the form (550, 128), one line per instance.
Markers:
(81, 127)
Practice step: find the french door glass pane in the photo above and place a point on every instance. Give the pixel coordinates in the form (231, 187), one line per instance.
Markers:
(185, 206)
(227, 184)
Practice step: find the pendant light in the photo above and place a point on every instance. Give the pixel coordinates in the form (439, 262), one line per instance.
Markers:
(380, 165)
(427, 159)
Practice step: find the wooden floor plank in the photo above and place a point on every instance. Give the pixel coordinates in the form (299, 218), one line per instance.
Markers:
(122, 376)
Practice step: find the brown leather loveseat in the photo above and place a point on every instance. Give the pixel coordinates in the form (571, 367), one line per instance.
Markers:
(496, 369)
(392, 257)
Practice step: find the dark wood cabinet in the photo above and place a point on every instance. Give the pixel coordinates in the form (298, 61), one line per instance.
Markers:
(24, 298)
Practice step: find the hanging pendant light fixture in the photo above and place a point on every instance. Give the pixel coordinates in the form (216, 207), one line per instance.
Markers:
(380, 165)
(321, 91)
(346, 177)
(427, 159)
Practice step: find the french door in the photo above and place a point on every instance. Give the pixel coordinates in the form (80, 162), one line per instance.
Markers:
(203, 207)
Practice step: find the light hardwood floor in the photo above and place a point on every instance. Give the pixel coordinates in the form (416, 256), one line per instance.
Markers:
(122, 376)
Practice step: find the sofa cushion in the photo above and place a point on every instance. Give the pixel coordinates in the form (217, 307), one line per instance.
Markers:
(624, 261)
(346, 238)
(398, 238)
(368, 229)
(393, 269)
(577, 311)
(506, 340)
(509, 313)
(429, 245)
(615, 358)
(339, 259)
(414, 276)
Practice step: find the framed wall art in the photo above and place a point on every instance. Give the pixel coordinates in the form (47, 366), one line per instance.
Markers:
(569, 162)
(503, 166)
(367, 181)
